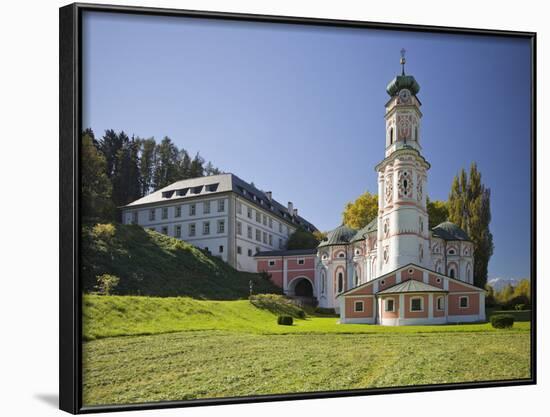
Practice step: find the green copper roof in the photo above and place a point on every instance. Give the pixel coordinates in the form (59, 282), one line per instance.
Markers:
(339, 236)
(403, 81)
(362, 233)
(411, 285)
(449, 231)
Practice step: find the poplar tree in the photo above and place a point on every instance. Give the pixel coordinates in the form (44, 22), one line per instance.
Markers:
(470, 208)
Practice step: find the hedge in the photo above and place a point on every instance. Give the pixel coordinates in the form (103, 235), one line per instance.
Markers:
(502, 321)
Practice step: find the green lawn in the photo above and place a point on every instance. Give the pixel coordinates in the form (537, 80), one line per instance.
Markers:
(183, 348)
(207, 364)
(127, 315)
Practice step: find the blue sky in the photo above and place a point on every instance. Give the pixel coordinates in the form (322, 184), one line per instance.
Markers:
(299, 110)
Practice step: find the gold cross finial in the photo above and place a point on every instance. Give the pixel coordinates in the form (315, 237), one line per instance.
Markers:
(402, 61)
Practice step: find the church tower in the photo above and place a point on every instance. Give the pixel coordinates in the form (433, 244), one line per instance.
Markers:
(403, 233)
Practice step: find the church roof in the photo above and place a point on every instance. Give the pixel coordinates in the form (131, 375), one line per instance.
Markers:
(400, 82)
(339, 236)
(449, 231)
(362, 233)
(411, 285)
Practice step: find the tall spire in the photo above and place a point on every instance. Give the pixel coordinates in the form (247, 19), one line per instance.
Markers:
(402, 61)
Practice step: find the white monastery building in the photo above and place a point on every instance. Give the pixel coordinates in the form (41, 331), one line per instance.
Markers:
(220, 213)
(395, 270)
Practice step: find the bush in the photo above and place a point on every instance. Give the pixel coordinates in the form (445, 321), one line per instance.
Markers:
(106, 283)
(326, 311)
(502, 321)
(285, 320)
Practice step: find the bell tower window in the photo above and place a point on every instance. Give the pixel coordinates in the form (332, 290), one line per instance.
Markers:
(391, 135)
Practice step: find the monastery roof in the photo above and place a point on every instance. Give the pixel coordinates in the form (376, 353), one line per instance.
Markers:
(215, 184)
(361, 233)
(449, 231)
(289, 252)
(411, 285)
(339, 236)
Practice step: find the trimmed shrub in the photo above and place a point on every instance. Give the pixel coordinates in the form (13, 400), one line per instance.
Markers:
(502, 321)
(285, 320)
(327, 311)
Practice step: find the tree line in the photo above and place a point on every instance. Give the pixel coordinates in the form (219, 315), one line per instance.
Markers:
(518, 296)
(468, 206)
(117, 169)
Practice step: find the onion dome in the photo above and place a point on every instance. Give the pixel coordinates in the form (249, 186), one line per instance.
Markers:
(403, 81)
(449, 231)
(339, 236)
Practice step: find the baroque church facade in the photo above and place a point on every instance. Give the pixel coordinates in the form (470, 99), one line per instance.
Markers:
(395, 270)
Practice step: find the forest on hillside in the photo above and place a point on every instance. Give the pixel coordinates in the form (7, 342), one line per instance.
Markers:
(118, 169)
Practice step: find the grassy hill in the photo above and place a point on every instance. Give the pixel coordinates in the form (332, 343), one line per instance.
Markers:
(111, 316)
(150, 263)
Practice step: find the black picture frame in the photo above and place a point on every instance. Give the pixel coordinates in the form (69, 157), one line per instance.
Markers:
(70, 303)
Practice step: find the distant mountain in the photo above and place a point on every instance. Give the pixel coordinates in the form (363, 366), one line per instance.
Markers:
(499, 283)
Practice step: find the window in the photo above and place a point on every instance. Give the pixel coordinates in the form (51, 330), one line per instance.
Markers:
(341, 255)
(221, 206)
(265, 237)
(280, 228)
(178, 211)
(165, 212)
(221, 226)
(192, 209)
(206, 228)
(323, 282)
(416, 133)
(270, 223)
(177, 231)
(389, 305)
(239, 207)
(440, 303)
(249, 252)
(300, 261)
(270, 240)
(135, 217)
(239, 228)
(164, 230)
(258, 216)
(271, 263)
(438, 280)
(280, 243)
(248, 212)
(239, 250)
(382, 283)
(451, 252)
(416, 304)
(258, 235)
(152, 214)
(221, 249)
(206, 207)
(452, 272)
(463, 302)
(391, 135)
(192, 229)
(249, 232)
(340, 282)
(359, 307)
(265, 220)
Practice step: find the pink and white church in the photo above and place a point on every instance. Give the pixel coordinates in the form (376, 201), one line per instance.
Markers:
(395, 270)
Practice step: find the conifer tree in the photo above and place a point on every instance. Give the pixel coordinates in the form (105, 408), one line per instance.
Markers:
(469, 207)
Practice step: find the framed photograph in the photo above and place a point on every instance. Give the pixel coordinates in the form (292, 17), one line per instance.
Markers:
(259, 208)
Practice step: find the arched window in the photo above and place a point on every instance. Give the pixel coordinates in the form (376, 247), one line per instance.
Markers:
(356, 278)
(341, 255)
(391, 135)
(323, 282)
(340, 282)
(452, 272)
